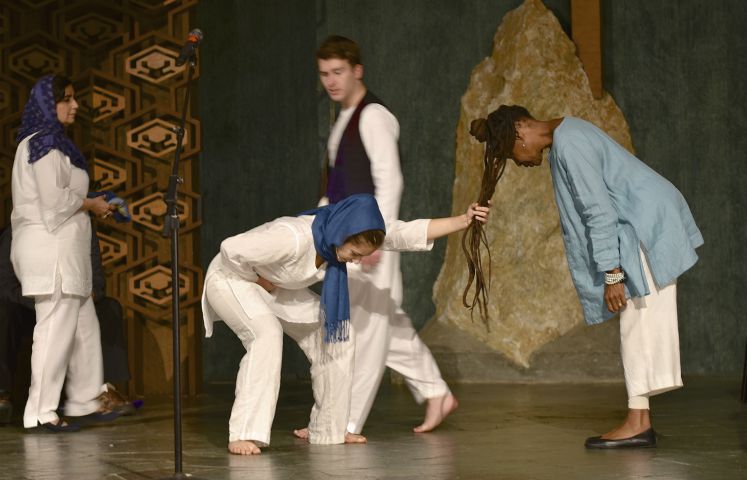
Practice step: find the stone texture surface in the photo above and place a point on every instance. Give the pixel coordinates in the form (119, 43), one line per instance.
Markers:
(532, 300)
(583, 354)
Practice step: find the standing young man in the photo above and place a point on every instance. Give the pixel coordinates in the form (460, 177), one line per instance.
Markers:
(363, 157)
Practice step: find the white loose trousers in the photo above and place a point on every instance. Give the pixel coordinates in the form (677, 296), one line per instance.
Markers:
(67, 341)
(258, 319)
(385, 337)
(649, 340)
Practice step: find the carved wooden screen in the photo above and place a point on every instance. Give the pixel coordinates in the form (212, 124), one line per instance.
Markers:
(120, 55)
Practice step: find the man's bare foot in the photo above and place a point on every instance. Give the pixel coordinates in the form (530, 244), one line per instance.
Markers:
(354, 438)
(303, 434)
(435, 411)
(243, 447)
(637, 421)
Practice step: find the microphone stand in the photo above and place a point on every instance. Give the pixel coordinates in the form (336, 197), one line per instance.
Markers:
(171, 229)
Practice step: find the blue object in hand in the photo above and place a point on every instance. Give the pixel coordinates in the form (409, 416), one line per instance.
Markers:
(121, 213)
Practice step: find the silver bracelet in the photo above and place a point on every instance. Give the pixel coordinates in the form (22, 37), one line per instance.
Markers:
(614, 278)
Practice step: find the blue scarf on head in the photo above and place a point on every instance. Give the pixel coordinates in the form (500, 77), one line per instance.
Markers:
(40, 115)
(333, 225)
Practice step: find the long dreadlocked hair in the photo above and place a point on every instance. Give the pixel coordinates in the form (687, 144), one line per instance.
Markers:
(498, 132)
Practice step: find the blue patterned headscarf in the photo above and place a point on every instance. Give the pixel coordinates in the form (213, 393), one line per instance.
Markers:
(40, 115)
(333, 225)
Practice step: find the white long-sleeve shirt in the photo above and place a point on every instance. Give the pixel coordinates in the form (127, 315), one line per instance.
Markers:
(51, 234)
(282, 251)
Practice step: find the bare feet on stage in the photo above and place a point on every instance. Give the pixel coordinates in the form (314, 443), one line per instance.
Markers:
(638, 421)
(243, 447)
(436, 410)
(354, 438)
(303, 434)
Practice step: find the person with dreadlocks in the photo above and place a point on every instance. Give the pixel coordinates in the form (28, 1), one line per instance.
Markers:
(51, 255)
(628, 235)
(257, 285)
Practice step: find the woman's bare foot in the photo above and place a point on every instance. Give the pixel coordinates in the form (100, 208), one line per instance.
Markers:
(354, 438)
(243, 447)
(435, 411)
(303, 434)
(637, 421)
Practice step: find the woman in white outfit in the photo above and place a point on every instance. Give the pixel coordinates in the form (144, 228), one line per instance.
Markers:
(51, 254)
(257, 286)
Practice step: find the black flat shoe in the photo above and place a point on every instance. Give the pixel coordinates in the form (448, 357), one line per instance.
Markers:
(60, 427)
(646, 439)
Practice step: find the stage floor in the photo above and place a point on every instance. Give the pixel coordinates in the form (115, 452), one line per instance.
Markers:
(512, 432)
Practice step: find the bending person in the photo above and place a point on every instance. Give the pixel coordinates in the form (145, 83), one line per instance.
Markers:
(628, 235)
(51, 255)
(257, 286)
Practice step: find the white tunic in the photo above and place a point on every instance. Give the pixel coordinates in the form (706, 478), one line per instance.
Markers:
(283, 252)
(50, 231)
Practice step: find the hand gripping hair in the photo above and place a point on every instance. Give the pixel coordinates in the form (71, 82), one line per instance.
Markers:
(498, 132)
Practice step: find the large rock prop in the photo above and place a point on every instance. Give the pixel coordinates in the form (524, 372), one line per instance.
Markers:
(532, 300)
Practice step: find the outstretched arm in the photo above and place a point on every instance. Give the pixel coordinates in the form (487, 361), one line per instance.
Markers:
(440, 227)
(418, 235)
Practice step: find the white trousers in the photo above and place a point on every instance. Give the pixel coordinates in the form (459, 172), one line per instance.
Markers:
(67, 342)
(385, 337)
(649, 341)
(259, 319)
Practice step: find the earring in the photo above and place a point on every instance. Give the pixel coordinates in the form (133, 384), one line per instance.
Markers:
(524, 145)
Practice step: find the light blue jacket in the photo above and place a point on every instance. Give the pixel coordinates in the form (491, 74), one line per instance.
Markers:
(610, 203)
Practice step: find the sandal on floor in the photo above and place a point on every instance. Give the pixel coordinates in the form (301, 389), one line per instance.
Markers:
(62, 426)
(112, 399)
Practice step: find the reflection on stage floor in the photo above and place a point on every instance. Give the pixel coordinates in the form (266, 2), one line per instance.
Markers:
(512, 432)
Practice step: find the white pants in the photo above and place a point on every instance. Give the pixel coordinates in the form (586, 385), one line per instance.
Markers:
(385, 337)
(649, 341)
(259, 319)
(67, 342)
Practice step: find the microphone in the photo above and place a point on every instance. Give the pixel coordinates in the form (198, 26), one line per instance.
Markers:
(190, 48)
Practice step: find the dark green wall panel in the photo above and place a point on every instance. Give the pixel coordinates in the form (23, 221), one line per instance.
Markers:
(677, 71)
(259, 129)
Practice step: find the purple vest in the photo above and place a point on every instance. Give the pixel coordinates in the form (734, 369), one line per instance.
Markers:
(352, 171)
